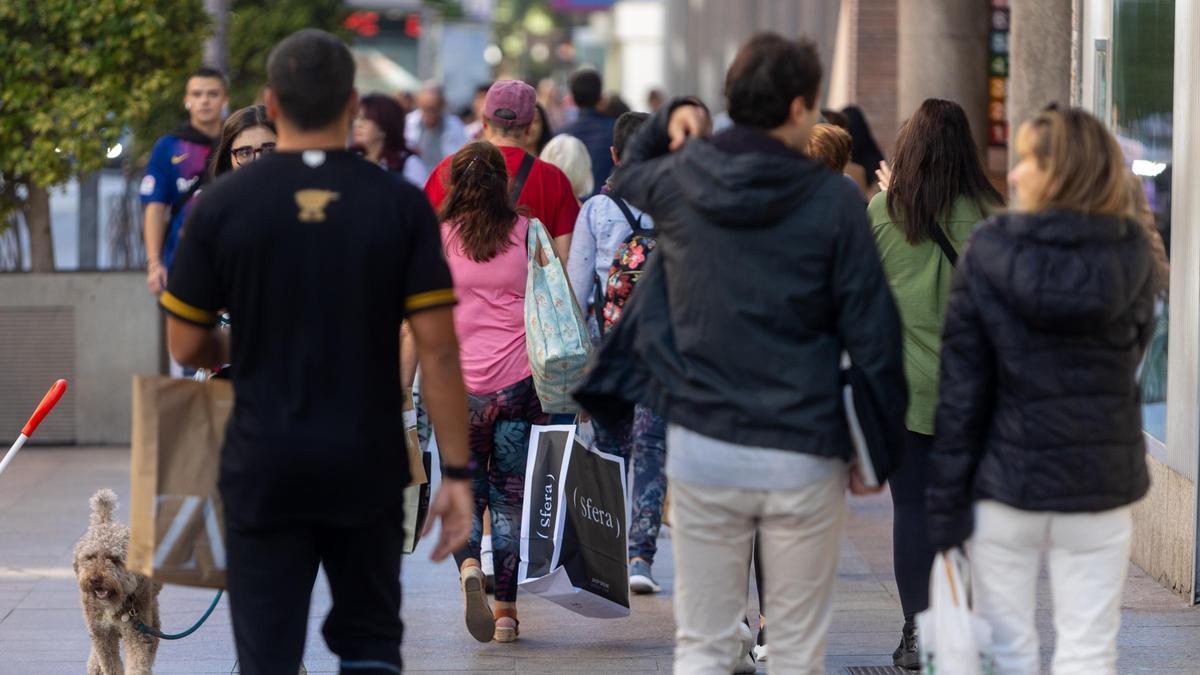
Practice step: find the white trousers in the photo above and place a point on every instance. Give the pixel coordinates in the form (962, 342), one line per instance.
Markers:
(1088, 559)
(713, 536)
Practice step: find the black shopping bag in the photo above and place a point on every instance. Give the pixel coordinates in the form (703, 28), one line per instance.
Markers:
(588, 571)
(549, 448)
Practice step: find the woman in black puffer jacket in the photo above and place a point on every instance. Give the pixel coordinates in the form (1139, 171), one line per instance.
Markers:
(1039, 429)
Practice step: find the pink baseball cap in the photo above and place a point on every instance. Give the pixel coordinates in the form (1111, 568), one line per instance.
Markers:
(510, 103)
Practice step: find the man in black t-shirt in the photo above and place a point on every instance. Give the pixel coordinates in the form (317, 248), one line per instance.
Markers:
(319, 256)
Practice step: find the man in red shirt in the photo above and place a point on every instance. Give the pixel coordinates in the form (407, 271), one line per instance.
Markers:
(507, 115)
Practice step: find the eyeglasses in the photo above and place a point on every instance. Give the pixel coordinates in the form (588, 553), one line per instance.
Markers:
(247, 152)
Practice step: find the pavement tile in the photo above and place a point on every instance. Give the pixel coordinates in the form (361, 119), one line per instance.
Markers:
(609, 665)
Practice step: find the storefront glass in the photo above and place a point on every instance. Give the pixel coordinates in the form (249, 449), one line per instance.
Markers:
(1142, 101)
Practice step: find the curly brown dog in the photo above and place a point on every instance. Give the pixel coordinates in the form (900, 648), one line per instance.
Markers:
(113, 598)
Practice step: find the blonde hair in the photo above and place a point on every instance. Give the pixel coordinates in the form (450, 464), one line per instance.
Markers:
(830, 145)
(571, 155)
(1085, 166)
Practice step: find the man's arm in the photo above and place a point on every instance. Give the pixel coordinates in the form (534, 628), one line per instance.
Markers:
(153, 232)
(408, 356)
(445, 397)
(868, 323)
(665, 132)
(197, 346)
(157, 192)
(562, 247)
(965, 403)
(581, 268)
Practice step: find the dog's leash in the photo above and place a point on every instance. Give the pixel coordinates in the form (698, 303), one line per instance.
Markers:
(143, 628)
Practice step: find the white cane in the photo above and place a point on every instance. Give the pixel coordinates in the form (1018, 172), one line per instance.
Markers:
(48, 402)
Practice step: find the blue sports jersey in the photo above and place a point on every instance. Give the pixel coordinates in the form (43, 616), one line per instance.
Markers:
(176, 169)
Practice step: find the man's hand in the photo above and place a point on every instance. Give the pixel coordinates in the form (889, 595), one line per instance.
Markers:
(688, 121)
(858, 487)
(156, 277)
(454, 504)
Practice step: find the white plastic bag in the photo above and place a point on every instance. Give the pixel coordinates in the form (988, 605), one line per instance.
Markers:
(953, 640)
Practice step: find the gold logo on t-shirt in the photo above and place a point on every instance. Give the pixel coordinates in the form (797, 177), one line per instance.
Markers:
(312, 204)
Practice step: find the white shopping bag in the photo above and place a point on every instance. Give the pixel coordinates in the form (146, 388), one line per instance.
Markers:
(953, 640)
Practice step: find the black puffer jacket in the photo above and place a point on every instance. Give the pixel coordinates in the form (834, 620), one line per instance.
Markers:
(1048, 317)
(764, 273)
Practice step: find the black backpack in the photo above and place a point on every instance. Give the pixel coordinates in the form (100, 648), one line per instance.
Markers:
(629, 261)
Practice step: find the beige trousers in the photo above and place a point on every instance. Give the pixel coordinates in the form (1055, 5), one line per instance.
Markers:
(713, 536)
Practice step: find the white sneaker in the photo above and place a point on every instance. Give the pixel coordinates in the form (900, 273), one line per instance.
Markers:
(747, 663)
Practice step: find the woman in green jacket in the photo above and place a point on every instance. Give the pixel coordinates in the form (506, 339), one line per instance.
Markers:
(936, 194)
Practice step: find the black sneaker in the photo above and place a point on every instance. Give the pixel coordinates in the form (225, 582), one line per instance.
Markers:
(906, 655)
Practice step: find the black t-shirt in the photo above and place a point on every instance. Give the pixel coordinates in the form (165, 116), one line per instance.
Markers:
(318, 256)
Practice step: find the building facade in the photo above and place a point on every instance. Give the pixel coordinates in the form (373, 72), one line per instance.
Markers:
(1134, 65)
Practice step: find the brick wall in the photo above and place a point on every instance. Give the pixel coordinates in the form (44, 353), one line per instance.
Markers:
(873, 68)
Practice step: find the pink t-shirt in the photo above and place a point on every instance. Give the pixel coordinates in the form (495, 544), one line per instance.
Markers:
(490, 314)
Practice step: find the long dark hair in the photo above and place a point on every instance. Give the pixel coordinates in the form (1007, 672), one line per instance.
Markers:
(219, 161)
(936, 162)
(864, 151)
(388, 115)
(480, 212)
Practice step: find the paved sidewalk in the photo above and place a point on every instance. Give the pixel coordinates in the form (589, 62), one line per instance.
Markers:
(43, 510)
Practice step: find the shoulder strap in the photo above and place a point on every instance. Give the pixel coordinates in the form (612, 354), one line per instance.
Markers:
(518, 184)
(598, 295)
(635, 223)
(939, 235)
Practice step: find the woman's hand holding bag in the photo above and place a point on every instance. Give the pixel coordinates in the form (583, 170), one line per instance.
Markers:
(953, 640)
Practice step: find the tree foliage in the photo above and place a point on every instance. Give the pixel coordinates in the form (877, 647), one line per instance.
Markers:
(255, 26)
(75, 73)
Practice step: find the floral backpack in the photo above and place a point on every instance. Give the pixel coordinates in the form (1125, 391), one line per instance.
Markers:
(627, 266)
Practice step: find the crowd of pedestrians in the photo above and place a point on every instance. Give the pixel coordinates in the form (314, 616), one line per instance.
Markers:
(728, 278)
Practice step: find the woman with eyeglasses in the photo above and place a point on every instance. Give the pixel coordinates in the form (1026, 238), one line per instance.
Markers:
(378, 133)
(246, 136)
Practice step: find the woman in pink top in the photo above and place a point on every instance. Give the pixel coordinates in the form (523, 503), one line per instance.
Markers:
(484, 239)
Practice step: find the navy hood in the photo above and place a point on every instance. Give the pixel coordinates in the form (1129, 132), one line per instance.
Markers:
(743, 178)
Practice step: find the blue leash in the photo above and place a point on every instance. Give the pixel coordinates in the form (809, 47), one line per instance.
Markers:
(143, 628)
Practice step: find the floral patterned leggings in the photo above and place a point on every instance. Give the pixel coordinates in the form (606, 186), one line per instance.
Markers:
(642, 440)
(500, 425)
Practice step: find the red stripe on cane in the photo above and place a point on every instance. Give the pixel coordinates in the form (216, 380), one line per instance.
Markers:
(51, 399)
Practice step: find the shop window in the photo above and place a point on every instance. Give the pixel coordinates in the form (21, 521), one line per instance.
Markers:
(1142, 102)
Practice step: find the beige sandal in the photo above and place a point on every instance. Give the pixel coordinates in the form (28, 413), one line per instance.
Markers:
(507, 633)
(480, 623)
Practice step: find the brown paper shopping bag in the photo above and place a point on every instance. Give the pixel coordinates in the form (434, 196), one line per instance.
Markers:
(416, 495)
(416, 463)
(177, 524)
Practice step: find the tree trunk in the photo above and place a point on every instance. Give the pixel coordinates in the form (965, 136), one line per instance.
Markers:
(89, 220)
(37, 219)
(216, 51)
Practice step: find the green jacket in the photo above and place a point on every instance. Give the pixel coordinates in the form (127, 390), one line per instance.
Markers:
(919, 275)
